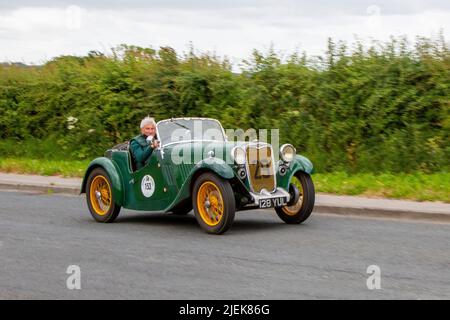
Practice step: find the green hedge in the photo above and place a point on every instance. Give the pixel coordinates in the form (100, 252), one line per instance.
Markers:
(381, 108)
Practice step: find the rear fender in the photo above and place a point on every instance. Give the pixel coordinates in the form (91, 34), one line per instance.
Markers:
(113, 173)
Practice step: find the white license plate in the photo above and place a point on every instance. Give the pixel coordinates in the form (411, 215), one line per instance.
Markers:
(272, 202)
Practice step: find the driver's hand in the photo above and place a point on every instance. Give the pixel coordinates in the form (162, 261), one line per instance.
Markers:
(155, 144)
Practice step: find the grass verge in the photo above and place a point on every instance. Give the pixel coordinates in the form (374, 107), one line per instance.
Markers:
(72, 168)
(416, 186)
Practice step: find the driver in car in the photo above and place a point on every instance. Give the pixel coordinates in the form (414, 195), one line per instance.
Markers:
(142, 146)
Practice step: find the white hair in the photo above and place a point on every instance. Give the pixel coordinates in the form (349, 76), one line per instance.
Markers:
(147, 120)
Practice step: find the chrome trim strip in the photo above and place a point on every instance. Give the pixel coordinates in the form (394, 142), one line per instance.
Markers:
(188, 141)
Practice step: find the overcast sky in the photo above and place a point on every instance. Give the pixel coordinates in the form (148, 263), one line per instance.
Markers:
(36, 31)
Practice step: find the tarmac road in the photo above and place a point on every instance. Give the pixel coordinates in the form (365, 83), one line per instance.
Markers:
(162, 256)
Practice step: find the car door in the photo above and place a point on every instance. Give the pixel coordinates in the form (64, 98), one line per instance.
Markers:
(150, 186)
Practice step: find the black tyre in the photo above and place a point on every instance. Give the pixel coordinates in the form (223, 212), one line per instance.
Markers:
(213, 202)
(100, 198)
(295, 213)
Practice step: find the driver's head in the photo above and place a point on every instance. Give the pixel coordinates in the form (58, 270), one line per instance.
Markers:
(148, 126)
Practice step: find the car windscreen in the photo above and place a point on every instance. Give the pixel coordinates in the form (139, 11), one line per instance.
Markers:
(176, 130)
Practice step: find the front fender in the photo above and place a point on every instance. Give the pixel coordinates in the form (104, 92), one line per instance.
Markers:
(215, 165)
(303, 164)
(113, 173)
(300, 163)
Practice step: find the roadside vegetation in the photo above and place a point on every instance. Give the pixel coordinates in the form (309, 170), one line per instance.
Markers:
(374, 118)
(71, 168)
(412, 186)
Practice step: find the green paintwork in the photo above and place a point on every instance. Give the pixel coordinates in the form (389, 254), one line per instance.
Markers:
(218, 166)
(215, 165)
(300, 163)
(174, 181)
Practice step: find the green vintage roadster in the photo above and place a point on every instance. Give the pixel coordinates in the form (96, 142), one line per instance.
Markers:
(196, 167)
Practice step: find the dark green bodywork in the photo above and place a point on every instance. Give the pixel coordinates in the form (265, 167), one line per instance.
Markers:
(173, 182)
(300, 163)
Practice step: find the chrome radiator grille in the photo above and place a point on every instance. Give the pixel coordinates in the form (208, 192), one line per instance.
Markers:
(260, 168)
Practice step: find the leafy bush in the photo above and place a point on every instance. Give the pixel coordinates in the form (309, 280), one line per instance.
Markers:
(384, 108)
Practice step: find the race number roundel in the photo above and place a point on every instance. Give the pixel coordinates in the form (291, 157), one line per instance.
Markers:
(147, 186)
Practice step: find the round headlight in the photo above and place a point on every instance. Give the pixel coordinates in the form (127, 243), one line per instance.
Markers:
(287, 152)
(238, 155)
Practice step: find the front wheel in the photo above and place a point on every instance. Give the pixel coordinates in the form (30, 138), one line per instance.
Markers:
(214, 204)
(302, 191)
(99, 197)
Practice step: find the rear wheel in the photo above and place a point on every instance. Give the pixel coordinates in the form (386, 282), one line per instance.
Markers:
(302, 187)
(214, 204)
(99, 197)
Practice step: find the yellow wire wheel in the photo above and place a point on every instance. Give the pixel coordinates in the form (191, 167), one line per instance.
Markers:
(100, 195)
(210, 203)
(100, 198)
(214, 203)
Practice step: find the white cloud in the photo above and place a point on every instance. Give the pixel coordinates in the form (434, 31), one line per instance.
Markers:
(36, 34)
